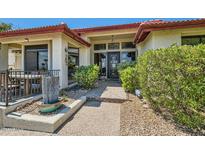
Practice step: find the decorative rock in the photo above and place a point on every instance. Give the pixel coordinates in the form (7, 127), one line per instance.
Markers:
(146, 106)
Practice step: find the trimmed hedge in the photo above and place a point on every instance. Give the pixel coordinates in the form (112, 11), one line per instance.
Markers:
(173, 80)
(128, 77)
(86, 76)
(124, 65)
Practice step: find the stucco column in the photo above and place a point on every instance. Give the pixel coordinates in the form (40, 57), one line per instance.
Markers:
(49, 55)
(23, 57)
(4, 57)
(58, 60)
(85, 56)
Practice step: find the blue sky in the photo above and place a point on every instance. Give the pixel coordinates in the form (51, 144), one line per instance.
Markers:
(74, 22)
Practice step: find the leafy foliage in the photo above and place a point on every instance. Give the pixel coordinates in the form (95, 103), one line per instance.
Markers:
(5, 27)
(124, 65)
(86, 76)
(128, 77)
(174, 79)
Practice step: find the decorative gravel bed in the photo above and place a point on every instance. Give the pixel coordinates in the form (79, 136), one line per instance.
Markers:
(137, 118)
(68, 96)
(33, 107)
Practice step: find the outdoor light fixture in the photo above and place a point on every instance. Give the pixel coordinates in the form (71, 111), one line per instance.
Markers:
(112, 38)
(26, 39)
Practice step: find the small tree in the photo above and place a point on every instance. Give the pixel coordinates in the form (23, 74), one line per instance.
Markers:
(5, 26)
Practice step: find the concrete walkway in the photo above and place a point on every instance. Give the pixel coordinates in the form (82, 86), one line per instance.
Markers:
(94, 118)
(108, 90)
(98, 118)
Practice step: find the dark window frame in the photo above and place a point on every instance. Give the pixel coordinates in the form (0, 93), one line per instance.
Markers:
(37, 49)
(194, 36)
(104, 44)
(132, 46)
(114, 43)
(128, 52)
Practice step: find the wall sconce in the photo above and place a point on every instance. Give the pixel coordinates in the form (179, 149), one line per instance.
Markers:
(112, 38)
(26, 39)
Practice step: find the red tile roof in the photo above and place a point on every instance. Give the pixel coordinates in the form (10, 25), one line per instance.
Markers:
(106, 28)
(142, 29)
(47, 29)
(146, 27)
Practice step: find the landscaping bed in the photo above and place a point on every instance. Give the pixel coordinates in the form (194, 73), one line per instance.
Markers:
(67, 95)
(172, 80)
(138, 119)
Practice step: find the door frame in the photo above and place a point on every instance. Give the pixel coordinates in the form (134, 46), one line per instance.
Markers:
(108, 63)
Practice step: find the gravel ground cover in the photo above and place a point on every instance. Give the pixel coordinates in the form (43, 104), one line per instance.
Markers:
(138, 119)
(102, 118)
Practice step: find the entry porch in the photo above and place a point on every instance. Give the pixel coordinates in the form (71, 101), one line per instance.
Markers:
(25, 59)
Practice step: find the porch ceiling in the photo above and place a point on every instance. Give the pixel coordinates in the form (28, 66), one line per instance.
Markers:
(109, 37)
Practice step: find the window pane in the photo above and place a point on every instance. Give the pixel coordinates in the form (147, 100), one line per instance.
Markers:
(112, 46)
(203, 39)
(43, 60)
(36, 57)
(190, 40)
(127, 56)
(100, 47)
(127, 45)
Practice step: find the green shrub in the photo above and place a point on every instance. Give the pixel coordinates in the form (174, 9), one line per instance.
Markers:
(174, 79)
(124, 65)
(86, 76)
(128, 77)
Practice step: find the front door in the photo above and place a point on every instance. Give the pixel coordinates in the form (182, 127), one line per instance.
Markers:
(113, 60)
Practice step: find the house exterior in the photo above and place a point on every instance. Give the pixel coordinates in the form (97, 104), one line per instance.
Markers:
(45, 48)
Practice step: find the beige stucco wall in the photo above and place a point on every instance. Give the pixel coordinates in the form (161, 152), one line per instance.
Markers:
(58, 59)
(159, 39)
(163, 39)
(14, 60)
(84, 56)
(166, 38)
(4, 57)
(147, 44)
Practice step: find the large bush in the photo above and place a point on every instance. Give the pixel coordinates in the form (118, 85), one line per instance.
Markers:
(124, 65)
(173, 80)
(86, 76)
(128, 77)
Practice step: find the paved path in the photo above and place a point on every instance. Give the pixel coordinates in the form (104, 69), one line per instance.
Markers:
(110, 90)
(94, 118)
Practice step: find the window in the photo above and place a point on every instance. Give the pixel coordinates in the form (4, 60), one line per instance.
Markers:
(193, 40)
(113, 46)
(127, 56)
(127, 45)
(100, 47)
(101, 60)
(72, 61)
(36, 57)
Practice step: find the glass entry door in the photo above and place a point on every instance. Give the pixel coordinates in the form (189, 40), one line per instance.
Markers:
(101, 60)
(113, 60)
